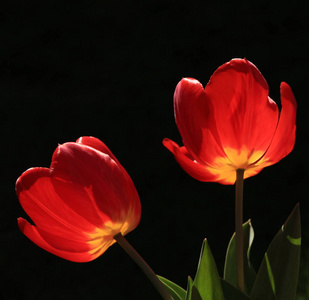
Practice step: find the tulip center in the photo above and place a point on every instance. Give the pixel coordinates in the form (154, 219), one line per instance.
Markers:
(102, 238)
(225, 167)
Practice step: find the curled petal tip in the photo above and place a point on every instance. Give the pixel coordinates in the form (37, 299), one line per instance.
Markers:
(22, 223)
(170, 145)
(166, 142)
(190, 80)
(187, 162)
(287, 93)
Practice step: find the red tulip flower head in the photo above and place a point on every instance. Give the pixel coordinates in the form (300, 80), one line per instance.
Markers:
(80, 203)
(231, 124)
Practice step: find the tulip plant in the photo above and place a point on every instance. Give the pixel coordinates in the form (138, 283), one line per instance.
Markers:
(231, 130)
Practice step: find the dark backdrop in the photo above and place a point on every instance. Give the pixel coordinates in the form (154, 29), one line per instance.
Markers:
(109, 69)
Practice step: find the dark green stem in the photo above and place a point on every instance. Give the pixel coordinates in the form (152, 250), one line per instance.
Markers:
(238, 229)
(144, 266)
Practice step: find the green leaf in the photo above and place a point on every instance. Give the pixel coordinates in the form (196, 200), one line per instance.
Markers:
(195, 295)
(206, 284)
(230, 274)
(177, 292)
(189, 288)
(232, 293)
(278, 274)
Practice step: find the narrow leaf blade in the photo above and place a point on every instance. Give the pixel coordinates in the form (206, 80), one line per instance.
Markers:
(189, 288)
(177, 292)
(230, 274)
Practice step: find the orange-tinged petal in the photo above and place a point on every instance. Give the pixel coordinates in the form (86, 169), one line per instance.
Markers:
(245, 116)
(225, 167)
(284, 138)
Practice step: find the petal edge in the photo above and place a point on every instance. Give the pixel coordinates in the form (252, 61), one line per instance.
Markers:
(285, 135)
(187, 162)
(32, 232)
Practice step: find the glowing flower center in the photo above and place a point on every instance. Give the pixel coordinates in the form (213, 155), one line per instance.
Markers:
(103, 238)
(225, 167)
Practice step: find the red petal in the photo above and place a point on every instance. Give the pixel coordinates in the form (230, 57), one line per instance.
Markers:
(111, 192)
(80, 203)
(187, 162)
(96, 144)
(70, 249)
(50, 210)
(284, 138)
(194, 118)
(131, 191)
(245, 115)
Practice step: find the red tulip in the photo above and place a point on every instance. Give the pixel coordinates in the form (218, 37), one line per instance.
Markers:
(231, 124)
(80, 203)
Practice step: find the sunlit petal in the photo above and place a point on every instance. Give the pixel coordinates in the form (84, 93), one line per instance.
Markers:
(231, 124)
(284, 138)
(244, 114)
(187, 162)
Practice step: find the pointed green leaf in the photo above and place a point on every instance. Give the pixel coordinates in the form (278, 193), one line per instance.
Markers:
(206, 284)
(278, 274)
(232, 293)
(177, 292)
(195, 295)
(189, 288)
(230, 274)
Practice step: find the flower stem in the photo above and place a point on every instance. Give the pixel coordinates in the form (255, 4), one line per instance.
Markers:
(144, 266)
(238, 229)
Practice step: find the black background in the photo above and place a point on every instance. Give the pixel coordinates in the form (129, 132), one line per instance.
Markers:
(109, 69)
